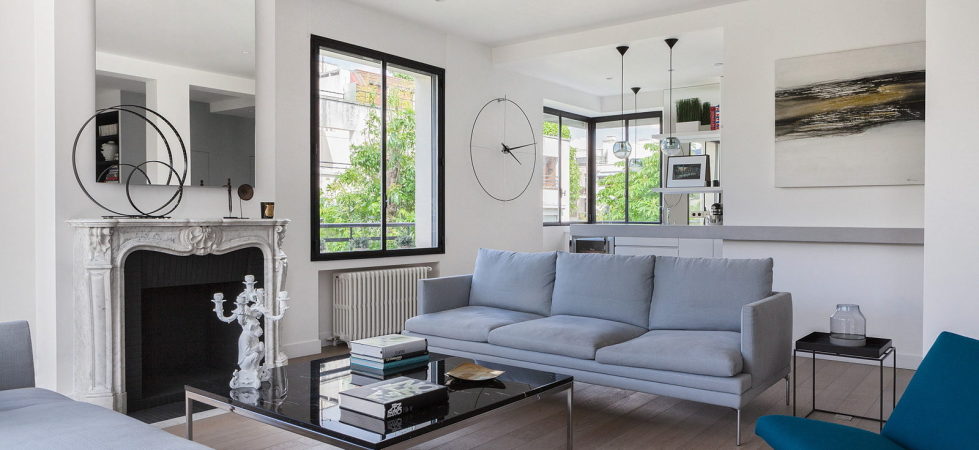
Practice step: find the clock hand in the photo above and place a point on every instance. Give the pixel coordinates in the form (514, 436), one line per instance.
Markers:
(520, 146)
(514, 156)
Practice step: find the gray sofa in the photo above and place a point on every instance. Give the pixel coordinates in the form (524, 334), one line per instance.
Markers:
(707, 330)
(33, 418)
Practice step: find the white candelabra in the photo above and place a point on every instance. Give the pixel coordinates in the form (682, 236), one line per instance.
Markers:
(249, 310)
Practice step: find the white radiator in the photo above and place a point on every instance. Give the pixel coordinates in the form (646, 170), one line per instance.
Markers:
(375, 302)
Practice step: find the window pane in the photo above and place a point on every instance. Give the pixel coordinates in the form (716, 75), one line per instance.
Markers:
(574, 171)
(644, 171)
(609, 174)
(350, 153)
(411, 166)
(550, 167)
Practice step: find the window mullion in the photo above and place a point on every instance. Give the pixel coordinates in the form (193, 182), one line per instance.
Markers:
(625, 188)
(560, 169)
(384, 155)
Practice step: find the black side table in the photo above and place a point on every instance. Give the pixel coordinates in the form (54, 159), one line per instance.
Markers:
(876, 349)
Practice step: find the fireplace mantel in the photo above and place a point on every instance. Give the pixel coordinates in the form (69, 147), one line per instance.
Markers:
(101, 248)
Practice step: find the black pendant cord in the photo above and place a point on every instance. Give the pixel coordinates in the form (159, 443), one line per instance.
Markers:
(635, 107)
(622, 49)
(671, 42)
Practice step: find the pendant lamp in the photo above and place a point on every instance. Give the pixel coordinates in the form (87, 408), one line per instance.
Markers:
(670, 146)
(622, 149)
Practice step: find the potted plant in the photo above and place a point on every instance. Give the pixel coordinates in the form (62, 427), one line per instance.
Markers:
(688, 112)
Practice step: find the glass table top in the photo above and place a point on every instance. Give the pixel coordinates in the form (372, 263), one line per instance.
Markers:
(307, 395)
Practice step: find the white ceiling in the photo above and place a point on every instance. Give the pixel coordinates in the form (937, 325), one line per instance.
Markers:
(697, 59)
(496, 22)
(212, 35)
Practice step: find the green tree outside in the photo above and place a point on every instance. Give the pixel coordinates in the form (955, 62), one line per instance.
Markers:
(574, 170)
(644, 204)
(355, 195)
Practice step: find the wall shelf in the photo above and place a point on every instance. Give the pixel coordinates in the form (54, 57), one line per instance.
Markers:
(712, 135)
(689, 190)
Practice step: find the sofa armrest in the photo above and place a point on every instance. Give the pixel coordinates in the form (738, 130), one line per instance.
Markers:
(16, 357)
(766, 336)
(440, 294)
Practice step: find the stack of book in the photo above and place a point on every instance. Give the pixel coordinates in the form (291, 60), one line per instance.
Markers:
(715, 117)
(382, 357)
(391, 405)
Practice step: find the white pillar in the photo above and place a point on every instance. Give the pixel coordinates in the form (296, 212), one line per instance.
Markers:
(951, 164)
(171, 98)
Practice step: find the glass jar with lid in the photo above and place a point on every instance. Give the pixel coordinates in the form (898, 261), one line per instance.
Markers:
(848, 326)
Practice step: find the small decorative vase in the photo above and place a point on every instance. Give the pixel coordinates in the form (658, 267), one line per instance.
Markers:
(848, 326)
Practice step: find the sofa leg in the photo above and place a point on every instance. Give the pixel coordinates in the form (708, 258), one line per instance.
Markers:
(739, 428)
(787, 390)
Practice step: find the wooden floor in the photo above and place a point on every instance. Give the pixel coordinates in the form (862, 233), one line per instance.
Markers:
(612, 418)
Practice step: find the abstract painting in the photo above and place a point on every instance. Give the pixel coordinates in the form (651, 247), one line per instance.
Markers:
(852, 118)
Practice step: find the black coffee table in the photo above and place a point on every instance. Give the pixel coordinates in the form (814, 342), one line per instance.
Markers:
(304, 398)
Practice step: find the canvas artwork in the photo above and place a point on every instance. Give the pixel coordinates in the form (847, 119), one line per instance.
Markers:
(852, 118)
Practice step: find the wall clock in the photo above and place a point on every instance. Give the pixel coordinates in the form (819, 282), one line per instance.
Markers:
(503, 149)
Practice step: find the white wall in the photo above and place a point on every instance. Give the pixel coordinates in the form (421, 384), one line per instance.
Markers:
(28, 177)
(951, 283)
(17, 170)
(886, 280)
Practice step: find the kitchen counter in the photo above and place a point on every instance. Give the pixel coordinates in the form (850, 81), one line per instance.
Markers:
(846, 235)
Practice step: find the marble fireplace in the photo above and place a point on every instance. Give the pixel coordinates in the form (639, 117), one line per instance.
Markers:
(102, 247)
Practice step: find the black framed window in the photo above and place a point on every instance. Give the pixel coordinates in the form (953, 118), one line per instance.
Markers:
(565, 164)
(377, 153)
(594, 185)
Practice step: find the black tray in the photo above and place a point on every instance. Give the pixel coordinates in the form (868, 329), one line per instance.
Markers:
(819, 342)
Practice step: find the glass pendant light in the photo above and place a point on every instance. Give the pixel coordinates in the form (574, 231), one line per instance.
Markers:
(622, 149)
(670, 146)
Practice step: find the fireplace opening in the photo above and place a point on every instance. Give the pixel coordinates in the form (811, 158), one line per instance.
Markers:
(172, 334)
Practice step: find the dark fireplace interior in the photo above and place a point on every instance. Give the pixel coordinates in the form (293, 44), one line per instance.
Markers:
(172, 334)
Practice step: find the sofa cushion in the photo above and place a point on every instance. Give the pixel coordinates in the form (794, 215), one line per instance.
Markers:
(19, 398)
(611, 287)
(716, 353)
(713, 389)
(706, 293)
(469, 323)
(513, 280)
(574, 336)
(54, 421)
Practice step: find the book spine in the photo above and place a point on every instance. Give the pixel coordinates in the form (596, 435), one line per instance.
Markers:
(390, 351)
(401, 349)
(407, 405)
(388, 360)
(384, 372)
(354, 359)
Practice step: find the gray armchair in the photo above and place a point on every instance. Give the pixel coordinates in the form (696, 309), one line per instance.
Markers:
(35, 418)
(17, 370)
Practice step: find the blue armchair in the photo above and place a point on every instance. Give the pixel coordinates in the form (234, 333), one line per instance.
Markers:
(939, 410)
